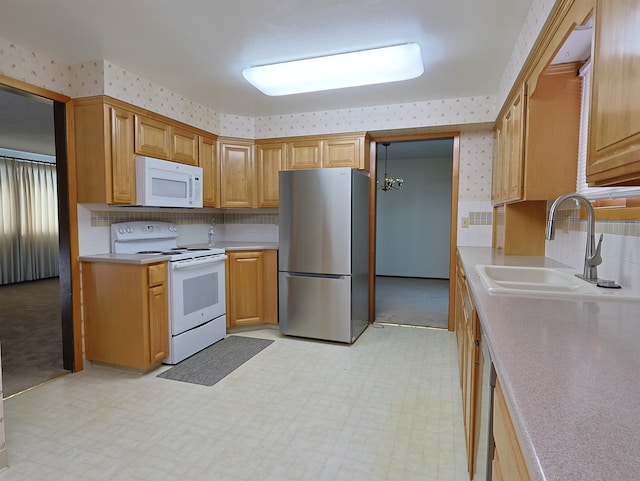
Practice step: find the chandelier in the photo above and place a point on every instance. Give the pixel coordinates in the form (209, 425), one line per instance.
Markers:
(389, 182)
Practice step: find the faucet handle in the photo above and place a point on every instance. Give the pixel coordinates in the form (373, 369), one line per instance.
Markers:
(596, 258)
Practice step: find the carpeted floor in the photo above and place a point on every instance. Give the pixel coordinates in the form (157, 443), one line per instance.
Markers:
(413, 301)
(30, 333)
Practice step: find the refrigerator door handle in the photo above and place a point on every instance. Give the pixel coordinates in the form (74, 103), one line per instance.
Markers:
(321, 276)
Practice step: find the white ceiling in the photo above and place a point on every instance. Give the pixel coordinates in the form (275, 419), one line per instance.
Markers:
(26, 123)
(198, 48)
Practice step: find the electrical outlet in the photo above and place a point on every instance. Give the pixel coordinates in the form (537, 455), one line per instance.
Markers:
(464, 222)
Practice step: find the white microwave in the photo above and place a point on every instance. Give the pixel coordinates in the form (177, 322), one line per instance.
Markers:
(161, 183)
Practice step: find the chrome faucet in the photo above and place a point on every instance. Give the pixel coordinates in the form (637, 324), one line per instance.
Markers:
(592, 258)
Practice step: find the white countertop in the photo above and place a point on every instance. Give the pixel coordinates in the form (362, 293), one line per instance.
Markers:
(124, 258)
(570, 370)
(247, 245)
(146, 259)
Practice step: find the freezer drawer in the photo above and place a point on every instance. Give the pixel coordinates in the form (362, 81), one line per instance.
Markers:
(317, 307)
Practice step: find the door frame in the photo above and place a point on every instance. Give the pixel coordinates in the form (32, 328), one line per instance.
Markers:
(453, 234)
(67, 220)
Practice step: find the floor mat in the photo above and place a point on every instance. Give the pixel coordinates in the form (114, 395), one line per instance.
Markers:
(216, 361)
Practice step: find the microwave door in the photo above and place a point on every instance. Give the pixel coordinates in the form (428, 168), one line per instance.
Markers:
(167, 184)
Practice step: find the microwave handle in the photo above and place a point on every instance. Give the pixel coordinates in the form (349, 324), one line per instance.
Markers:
(191, 188)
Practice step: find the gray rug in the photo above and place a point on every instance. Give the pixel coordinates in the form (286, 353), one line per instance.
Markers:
(216, 361)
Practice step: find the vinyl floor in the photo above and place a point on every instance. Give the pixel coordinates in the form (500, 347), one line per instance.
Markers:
(385, 408)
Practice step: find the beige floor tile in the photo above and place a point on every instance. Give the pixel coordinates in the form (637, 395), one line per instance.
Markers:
(386, 408)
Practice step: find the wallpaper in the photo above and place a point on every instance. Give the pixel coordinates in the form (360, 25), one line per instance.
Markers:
(467, 110)
(32, 67)
(476, 154)
(474, 189)
(237, 126)
(533, 24)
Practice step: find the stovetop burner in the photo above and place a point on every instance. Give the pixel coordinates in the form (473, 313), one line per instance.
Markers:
(155, 238)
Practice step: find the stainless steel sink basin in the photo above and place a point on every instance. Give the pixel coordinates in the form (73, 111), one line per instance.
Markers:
(544, 282)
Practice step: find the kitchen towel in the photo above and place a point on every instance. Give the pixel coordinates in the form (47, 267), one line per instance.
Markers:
(215, 362)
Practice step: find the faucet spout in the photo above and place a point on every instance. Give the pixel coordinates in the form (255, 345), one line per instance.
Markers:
(592, 257)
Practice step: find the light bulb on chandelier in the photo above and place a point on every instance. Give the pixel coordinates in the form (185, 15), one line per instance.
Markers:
(389, 183)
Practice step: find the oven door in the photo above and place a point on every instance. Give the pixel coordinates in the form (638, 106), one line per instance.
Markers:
(196, 292)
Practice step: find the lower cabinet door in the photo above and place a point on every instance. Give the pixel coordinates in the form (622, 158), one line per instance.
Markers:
(158, 324)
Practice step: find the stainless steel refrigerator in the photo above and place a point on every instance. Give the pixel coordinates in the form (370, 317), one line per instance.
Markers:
(323, 258)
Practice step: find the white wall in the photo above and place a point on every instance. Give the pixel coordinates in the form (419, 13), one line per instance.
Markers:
(414, 223)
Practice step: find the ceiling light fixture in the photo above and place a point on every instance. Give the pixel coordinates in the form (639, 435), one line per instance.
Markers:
(365, 67)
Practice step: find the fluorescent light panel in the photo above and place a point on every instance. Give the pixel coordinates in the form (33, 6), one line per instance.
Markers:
(365, 67)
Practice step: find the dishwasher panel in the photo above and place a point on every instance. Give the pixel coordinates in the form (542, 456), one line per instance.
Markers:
(485, 445)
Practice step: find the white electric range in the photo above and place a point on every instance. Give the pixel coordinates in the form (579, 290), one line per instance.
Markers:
(196, 284)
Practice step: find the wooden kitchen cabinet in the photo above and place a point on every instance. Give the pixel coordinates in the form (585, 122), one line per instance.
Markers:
(514, 129)
(508, 461)
(343, 152)
(104, 149)
(160, 139)
(552, 132)
(468, 339)
(184, 146)
(125, 312)
(237, 173)
(108, 134)
(508, 156)
(350, 150)
(252, 279)
(304, 154)
(497, 177)
(614, 122)
(535, 159)
(152, 138)
(208, 155)
(270, 160)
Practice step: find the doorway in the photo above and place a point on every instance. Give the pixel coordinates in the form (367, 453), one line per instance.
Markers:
(36, 319)
(413, 231)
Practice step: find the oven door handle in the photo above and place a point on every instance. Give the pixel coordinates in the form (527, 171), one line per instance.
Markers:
(197, 262)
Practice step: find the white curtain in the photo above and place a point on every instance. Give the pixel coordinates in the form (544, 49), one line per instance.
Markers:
(28, 220)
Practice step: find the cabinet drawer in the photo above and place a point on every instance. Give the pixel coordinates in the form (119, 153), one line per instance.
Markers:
(157, 274)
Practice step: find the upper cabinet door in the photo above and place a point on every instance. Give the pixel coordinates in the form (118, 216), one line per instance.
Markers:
(515, 121)
(237, 179)
(270, 159)
(343, 152)
(304, 154)
(122, 159)
(614, 130)
(153, 138)
(209, 162)
(184, 146)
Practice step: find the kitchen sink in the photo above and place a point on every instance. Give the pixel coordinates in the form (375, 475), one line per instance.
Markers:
(544, 282)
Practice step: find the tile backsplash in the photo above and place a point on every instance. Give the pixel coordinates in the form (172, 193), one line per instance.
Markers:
(94, 225)
(620, 248)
